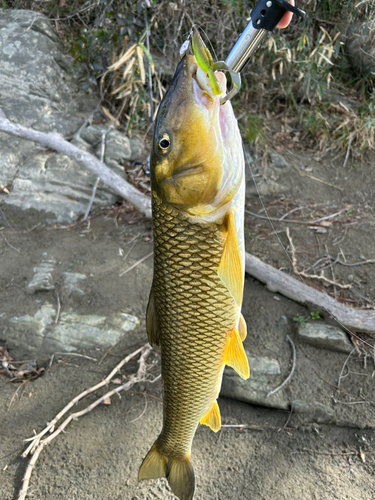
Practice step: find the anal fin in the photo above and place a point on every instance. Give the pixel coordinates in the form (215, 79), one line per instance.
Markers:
(235, 355)
(212, 417)
(230, 267)
(151, 323)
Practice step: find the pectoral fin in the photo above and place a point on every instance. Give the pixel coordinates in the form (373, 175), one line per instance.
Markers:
(212, 417)
(242, 328)
(230, 267)
(151, 323)
(235, 355)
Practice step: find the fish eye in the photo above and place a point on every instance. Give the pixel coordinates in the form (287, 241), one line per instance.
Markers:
(164, 144)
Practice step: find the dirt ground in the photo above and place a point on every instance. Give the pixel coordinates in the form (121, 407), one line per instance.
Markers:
(278, 455)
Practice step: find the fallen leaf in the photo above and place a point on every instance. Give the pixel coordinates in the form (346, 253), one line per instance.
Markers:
(107, 401)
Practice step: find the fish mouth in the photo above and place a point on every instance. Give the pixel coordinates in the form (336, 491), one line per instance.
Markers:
(202, 88)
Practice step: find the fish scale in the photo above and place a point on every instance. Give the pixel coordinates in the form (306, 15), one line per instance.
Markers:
(193, 314)
(193, 342)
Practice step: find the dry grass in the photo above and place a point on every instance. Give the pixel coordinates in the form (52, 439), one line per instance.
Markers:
(301, 73)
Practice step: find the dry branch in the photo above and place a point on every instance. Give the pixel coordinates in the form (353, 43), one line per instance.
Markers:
(276, 281)
(55, 141)
(37, 444)
(51, 425)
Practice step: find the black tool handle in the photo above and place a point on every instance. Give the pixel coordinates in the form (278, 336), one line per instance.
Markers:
(268, 13)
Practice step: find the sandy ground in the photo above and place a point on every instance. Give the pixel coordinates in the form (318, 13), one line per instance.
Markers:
(278, 455)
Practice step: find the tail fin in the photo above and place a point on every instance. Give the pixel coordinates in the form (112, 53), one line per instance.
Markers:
(179, 473)
(181, 478)
(154, 465)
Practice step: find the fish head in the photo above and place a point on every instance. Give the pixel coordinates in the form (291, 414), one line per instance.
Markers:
(196, 158)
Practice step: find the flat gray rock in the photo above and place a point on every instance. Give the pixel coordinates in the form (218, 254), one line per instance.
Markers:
(325, 337)
(42, 280)
(39, 90)
(70, 331)
(264, 377)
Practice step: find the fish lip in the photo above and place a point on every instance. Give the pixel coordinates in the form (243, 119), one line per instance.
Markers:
(193, 70)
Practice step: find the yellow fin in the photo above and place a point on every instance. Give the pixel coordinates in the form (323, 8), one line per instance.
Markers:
(181, 478)
(242, 328)
(179, 472)
(230, 267)
(154, 465)
(212, 417)
(235, 355)
(151, 324)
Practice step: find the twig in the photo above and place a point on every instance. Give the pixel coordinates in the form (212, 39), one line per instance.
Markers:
(58, 308)
(92, 198)
(310, 276)
(343, 366)
(102, 151)
(333, 273)
(294, 221)
(347, 153)
(140, 376)
(142, 413)
(51, 425)
(15, 394)
(136, 264)
(11, 246)
(56, 142)
(255, 427)
(291, 371)
(304, 174)
(75, 354)
(290, 212)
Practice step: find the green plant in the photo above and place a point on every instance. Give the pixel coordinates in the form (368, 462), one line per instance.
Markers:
(300, 320)
(314, 315)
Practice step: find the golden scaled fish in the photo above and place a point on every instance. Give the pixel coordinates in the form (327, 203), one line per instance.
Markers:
(194, 310)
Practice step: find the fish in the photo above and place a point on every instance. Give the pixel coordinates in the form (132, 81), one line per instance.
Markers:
(194, 310)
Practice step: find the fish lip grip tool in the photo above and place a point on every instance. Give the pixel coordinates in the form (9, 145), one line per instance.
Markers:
(263, 19)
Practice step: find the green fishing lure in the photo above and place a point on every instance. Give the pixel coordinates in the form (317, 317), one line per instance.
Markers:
(205, 62)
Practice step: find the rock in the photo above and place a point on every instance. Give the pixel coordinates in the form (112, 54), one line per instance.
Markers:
(315, 411)
(278, 162)
(325, 337)
(72, 332)
(56, 184)
(31, 330)
(264, 377)
(71, 283)
(360, 47)
(42, 280)
(38, 90)
(267, 182)
(119, 149)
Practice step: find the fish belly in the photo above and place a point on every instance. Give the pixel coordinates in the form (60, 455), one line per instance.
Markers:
(195, 313)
